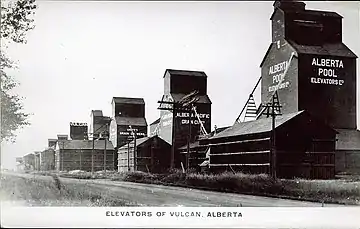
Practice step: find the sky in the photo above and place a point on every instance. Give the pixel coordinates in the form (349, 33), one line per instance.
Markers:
(83, 53)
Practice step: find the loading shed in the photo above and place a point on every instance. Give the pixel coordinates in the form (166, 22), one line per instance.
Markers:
(304, 146)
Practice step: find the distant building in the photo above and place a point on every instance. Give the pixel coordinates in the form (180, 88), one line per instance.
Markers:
(98, 124)
(154, 127)
(77, 155)
(37, 160)
(20, 166)
(78, 131)
(29, 161)
(48, 156)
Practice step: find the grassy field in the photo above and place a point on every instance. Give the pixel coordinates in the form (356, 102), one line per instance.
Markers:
(37, 192)
(340, 191)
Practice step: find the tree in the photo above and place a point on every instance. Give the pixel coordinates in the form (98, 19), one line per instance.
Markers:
(16, 21)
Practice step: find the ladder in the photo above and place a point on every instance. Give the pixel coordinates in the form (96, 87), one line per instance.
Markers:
(251, 109)
(202, 128)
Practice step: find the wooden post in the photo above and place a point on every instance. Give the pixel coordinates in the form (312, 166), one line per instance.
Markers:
(105, 157)
(152, 158)
(188, 143)
(128, 156)
(80, 159)
(113, 160)
(182, 166)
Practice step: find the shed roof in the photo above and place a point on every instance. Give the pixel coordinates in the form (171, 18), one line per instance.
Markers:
(202, 98)
(128, 100)
(192, 145)
(155, 122)
(197, 143)
(29, 155)
(85, 144)
(136, 121)
(257, 126)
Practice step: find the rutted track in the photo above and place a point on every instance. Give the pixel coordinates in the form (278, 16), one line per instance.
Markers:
(159, 195)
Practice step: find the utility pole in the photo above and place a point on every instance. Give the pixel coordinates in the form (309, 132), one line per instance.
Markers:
(92, 155)
(135, 151)
(175, 107)
(133, 133)
(273, 145)
(105, 139)
(93, 145)
(188, 143)
(173, 140)
(271, 107)
(62, 156)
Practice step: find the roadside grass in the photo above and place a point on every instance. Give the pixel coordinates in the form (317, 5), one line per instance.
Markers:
(39, 192)
(339, 191)
(327, 191)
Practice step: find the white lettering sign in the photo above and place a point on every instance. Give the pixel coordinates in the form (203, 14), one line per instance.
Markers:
(330, 71)
(278, 69)
(128, 133)
(78, 124)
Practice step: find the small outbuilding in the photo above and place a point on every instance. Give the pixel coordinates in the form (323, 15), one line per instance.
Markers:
(150, 154)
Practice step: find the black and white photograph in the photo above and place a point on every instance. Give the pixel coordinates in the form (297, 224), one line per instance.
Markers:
(214, 114)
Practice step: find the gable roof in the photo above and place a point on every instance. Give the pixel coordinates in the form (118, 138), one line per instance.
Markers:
(128, 100)
(267, 52)
(135, 121)
(261, 125)
(140, 141)
(84, 144)
(185, 73)
(96, 113)
(323, 13)
(307, 12)
(337, 49)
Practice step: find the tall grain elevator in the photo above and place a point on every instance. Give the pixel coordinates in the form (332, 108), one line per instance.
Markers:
(78, 131)
(321, 78)
(128, 120)
(175, 128)
(97, 124)
(127, 114)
